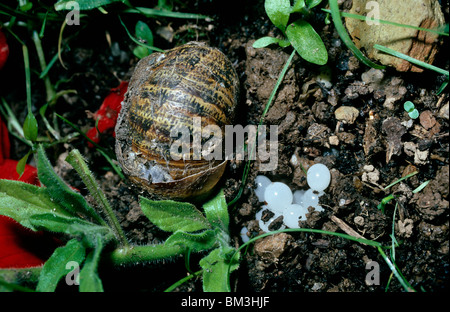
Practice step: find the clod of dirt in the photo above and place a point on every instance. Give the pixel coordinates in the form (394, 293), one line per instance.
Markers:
(427, 119)
(346, 114)
(430, 204)
(268, 63)
(271, 247)
(405, 227)
(412, 149)
(370, 174)
(421, 45)
(434, 232)
(394, 131)
(371, 141)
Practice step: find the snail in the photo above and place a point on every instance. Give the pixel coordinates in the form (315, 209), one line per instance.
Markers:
(170, 92)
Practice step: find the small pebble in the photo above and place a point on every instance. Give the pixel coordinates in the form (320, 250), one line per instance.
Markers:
(347, 114)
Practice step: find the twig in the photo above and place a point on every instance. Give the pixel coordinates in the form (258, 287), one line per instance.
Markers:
(346, 228)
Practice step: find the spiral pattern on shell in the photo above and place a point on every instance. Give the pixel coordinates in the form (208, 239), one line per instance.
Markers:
(166, 92)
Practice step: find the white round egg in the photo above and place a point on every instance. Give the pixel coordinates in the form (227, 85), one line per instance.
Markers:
(261, 184)
(264, 226)
(278, 195)
(318, 177)
(311, 199)
(292, 214)
(298, 196)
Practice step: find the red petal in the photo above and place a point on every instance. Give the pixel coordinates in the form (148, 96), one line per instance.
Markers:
(21, 247)
(4, 49)
(93, 135)
(8, 172)
(108, 112)
(4, 142)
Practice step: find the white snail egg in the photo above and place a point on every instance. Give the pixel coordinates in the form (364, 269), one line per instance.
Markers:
(310, 198)
(261, 184)
(298, 196)
(292, 214)
(244, 234)
(264, 226)
(318, 177)
(278, 195)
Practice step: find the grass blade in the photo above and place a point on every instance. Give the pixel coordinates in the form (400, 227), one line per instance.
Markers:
(375, 20)
(340, 28)
(411, 59)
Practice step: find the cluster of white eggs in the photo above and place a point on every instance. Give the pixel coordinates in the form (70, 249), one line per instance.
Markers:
(293, 206)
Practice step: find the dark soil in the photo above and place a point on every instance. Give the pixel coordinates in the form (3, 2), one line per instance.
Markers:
(382, 136)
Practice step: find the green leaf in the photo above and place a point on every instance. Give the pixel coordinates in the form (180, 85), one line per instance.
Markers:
(145, 36)
(215, 272)
(20, 168)
(83, 4)
(55, 267)
(89, 279)
(278, 12)
(265, 41)
(421, 187)
(307, 42)
(141, 52)
(414, 114)
(73, 226)
(216, 211)
(21, 201)
(298, 6)
(172, 216)
(144, 33)
(59, 191)
(312, 3)
(30, 128)
(25, 5)
(194, 241)
(408, 106)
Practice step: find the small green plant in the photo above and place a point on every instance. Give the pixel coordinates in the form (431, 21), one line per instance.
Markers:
(90, 238)
(300, 34)
(411, 110)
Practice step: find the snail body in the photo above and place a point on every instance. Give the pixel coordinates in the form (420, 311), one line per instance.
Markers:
(169, 92)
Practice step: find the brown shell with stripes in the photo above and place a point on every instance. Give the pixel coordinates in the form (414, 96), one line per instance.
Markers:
(166, 91)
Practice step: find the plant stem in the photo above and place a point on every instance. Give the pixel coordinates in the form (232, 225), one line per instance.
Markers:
(78, 163)
(26, 61)
(40, 52)
(139, 254)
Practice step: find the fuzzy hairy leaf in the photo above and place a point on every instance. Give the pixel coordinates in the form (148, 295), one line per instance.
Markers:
(20, 201)
(172, 216)
(59, 191)
(196, 242)
(55, 267)
(216, 211)
(72, 226)
(89, 279)
(215, 272)
(82, 4)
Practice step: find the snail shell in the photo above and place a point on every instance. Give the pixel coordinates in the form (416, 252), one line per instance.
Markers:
(166, 91)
